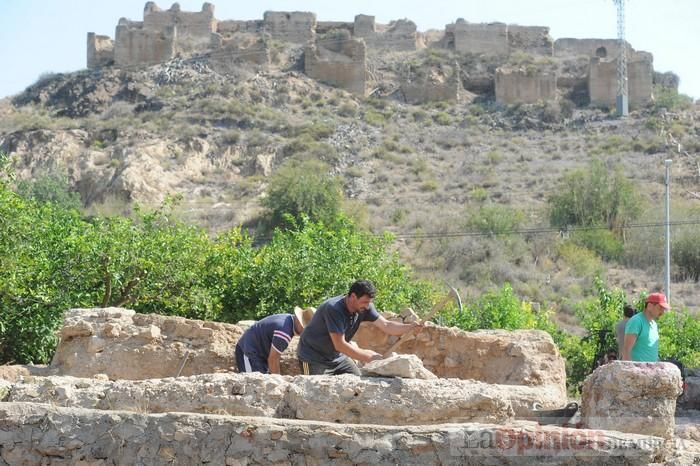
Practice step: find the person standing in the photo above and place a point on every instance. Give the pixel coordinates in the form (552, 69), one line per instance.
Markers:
(641, 332)
(261, 346)
(325, 347)
(628, 311)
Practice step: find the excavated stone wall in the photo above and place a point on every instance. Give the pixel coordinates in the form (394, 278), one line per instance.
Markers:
(341, 399)
(125, 345)
(520, 86)
(520, 357)
(35, 433)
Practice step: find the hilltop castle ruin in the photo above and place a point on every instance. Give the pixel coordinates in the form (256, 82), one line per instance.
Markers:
(335, 52)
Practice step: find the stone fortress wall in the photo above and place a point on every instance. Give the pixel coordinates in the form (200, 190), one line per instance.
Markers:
(166, 34)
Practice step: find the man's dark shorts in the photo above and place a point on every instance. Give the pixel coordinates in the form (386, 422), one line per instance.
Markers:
(342, 365)
(250, 364)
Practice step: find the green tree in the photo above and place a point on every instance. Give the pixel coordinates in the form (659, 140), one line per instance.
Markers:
(596, 196)
(306, 265)
(302, 188)
(50, 187)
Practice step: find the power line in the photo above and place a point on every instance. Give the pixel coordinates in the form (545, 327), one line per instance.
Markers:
(564, 232)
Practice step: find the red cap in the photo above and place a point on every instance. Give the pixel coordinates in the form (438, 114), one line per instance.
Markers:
(658, 298)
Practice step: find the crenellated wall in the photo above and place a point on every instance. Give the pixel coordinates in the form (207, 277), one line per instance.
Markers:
(191, 25)
(294, 26)
(336, 52)
(530, 39)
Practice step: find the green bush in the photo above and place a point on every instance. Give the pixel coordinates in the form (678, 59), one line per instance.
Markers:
(442, 118)
(495, 219)
(304, 266)
(595, 196)
(50, 187)
(582, 260)
(302, 189)
(602, 241)
(375, 118)
(496, 309)
(686, 255)
(668, 98)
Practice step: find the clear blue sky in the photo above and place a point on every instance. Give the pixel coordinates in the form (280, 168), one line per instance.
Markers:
(38, 36)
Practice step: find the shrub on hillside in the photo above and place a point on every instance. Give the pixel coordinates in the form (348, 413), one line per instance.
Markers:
(302, 189)
(50, 187)
(495, 219)
(602, 241)
(686, 255)
(595, 196)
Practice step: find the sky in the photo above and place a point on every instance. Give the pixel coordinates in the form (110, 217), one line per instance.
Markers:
(49, 36)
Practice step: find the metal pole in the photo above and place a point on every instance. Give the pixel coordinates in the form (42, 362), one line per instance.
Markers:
(668, 229)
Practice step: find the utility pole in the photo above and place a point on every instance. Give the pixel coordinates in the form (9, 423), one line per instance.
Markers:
(622, 98)
(668, 230)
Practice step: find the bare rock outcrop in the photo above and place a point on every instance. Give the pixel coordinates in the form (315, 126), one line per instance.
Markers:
(408, 366)
(636, 397)
(42, 434)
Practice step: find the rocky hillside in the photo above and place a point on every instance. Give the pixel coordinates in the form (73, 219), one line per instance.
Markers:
(433, 174)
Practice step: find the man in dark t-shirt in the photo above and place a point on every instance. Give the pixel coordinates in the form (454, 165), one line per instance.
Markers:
(261, 346)
(325, 348)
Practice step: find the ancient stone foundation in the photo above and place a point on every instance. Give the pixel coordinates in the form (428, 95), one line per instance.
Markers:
(128, 406)
(35, 433)
(638, 397)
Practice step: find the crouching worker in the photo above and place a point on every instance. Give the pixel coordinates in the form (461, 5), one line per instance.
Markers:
(261, 346)
(325, 348)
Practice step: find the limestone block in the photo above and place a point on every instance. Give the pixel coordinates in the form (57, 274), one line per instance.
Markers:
(408, 366)
(636, 397)
(42, 434)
